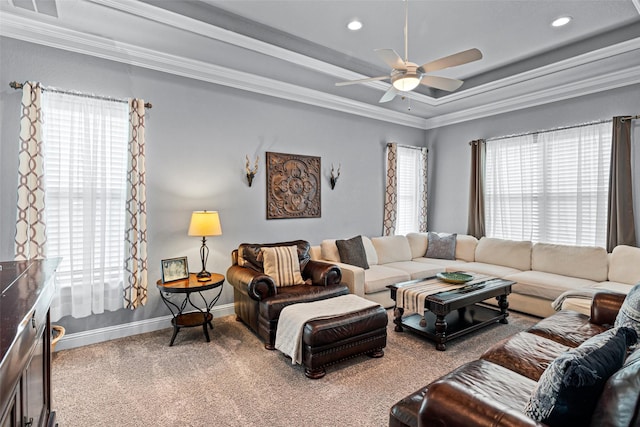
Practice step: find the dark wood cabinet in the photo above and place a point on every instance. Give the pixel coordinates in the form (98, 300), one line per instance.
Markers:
(25, 343)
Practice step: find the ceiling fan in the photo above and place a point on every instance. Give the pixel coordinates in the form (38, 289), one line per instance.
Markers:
(406, 76)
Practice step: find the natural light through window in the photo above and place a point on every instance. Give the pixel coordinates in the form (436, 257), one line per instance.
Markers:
(410, 186)
(550, 186)
(85, 174)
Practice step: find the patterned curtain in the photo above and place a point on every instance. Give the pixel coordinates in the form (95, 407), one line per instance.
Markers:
(476, 218)
(30, 220)
(135, 290)
(422, 208)
(391, 197)
(621, 228)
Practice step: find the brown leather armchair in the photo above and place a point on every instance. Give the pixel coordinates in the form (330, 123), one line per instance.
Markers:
(257, 300)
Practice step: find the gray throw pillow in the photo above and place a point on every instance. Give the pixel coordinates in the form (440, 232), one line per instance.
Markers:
(352, 252)
(568, 390)
(441, 246)
(629, 314)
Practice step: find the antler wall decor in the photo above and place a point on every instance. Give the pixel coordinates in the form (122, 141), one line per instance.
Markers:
(251, 173)
(334, 178)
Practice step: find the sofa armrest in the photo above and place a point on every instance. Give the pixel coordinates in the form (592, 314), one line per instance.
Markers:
(322, 273)
(605, 307)
(451, 405)
(256, 284)
(353, 277)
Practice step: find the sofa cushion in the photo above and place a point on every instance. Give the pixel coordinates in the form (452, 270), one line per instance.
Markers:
(417, 270)
(570, 387)
(466, 247)
(546, 285)
(508, 253)
(417, 243)
(624, 265)
(583, 305)
(441, 246)
(378, 277)
(352, 252)
(618, 402)
(455, 265)
(372, 256)
(392, 249)
(525, 353)
(282, 265)
(484, 268)
(329, 250)
(629, 314)
(585, 262)
(569, 328)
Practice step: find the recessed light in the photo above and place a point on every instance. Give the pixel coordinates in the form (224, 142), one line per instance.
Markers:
(354, 25)
(561, 21)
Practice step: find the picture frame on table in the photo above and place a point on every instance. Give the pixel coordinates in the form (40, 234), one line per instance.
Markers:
(174, 269)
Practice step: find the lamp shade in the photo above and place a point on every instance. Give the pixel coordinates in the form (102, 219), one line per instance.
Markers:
(205, 223)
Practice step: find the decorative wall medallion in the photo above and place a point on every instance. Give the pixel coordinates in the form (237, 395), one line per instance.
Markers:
(293, 186)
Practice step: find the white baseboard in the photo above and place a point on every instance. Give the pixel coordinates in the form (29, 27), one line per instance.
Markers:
(80, 339)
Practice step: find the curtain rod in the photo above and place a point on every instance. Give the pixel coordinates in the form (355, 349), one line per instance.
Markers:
(406, 146)
(550, 130)
(18, 85)
(624, 119)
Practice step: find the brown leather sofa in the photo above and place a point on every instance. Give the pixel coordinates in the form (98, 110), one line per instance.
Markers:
(257, 300)
(493, 390)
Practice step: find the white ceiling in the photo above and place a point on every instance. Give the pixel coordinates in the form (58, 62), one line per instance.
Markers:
(298, 49)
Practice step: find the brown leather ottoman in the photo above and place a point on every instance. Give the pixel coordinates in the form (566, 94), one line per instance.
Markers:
(327, 341)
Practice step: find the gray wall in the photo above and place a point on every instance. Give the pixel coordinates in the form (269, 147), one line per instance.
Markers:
(450, 154)
(197, 137)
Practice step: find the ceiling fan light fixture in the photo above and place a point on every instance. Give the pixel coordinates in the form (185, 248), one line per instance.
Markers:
(354, 25)
(406, 82)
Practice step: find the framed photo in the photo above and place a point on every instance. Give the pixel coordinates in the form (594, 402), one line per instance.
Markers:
(293, 186)
(174, 269)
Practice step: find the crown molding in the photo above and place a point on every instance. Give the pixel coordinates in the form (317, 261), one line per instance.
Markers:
(21, 28)
(636, 3)
(588, 86)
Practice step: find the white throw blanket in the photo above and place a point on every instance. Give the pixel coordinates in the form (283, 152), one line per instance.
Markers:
(412, 297)
(585, 293)
(294, 317)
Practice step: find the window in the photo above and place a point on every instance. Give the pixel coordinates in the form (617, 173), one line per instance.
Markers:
(550, 186)
(85, 152)
(410, 189)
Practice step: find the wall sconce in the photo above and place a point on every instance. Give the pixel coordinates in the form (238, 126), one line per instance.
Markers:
(251, 173)
(334, 178)
(203, 224)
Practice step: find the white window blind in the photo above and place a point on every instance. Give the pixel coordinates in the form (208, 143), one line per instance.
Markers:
(550, 186)
(85, 144)
(409, 189)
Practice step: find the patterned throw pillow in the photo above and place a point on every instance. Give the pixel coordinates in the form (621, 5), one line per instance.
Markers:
(282, 265)
(352, 252)
(570, 387)
(441, 246)
(629, 314)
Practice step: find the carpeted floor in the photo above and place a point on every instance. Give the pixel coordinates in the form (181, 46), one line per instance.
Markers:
(234, 381)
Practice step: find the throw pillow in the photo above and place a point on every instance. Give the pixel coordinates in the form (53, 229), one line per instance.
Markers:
(570, 387)
(352, 252)
(282, 265)
(629, 314)
(441, 246)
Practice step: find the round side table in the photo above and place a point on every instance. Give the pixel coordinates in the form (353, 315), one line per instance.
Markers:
(200, 317)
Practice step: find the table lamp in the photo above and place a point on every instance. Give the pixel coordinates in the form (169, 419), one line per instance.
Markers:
(204, 223)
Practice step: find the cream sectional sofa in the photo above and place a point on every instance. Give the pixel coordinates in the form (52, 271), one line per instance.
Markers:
(542, 272)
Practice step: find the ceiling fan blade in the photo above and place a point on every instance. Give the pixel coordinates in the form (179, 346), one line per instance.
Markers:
(391, 58)
(370, 79)
(459, 58)
(389, 95)
(442, 83)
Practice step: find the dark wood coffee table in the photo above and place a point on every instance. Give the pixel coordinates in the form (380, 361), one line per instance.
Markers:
(453, 313)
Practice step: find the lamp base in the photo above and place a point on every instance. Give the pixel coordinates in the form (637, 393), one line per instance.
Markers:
(203, 276)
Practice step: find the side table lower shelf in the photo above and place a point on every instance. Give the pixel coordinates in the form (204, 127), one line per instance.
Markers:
(200, 317)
